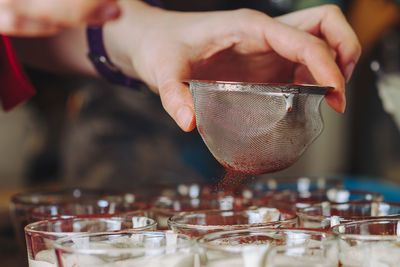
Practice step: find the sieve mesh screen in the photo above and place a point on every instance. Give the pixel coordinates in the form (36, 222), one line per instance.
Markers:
(257, 128)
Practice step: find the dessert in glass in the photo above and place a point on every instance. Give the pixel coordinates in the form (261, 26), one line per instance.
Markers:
(40, 236)
(166, 207)
(127, 248)
(264, 188)
(301, 184)
(85, 208)
(293, 200)
(192, 190)
(259, 248)
(327, 215)
(369, 243)
(72, 201)
(197, 223)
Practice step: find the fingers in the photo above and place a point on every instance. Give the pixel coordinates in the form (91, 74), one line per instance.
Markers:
(69, 12)
(329, 22)
(303, 76)
(13, 25)
(306, 49)
(340, 35)
(41, 17)
(177, 101)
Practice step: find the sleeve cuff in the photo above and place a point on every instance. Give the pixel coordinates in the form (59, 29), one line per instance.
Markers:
(15, 87)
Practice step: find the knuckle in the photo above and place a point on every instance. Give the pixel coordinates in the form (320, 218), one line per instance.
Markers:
(333, 9)
(357, 49)
(248, 13)
(245, 19)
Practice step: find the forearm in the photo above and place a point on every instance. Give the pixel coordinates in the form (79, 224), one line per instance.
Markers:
(65, 53)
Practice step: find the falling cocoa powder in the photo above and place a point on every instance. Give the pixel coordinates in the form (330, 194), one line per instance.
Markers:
(232, 181)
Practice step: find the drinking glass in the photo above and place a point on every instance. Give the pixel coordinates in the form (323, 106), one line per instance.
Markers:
(86, 208)
(205, 190)
(263, 188)
(166, 207)
(259, 248)
(40, 236)
(303, 256)
(293, 200)
(197, 223)
(369, 243)
(33, 206)
(126, 248)
(192, 190)
(327, 215)
(300, 184)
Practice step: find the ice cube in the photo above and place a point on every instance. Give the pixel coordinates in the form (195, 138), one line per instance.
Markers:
(47, 255)
(36, 263)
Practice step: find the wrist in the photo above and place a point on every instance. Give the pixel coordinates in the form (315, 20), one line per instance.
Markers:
(123, 38)
(101, 61)
(116, 51)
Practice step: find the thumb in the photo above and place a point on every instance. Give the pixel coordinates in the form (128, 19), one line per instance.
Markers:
(178, 102)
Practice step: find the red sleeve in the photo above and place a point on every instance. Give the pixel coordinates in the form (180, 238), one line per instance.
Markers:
(15, 87)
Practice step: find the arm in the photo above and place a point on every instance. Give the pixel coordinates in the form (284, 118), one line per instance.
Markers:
(163, 47)
(46, 17)
(64, 53)
(42, 18)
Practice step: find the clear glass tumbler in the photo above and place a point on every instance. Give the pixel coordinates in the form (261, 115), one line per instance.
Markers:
(128, 249)
(293, 200)
(260, 248)
(264, 187)
(303, 256)
(192, 190)
(300, 184)
(40, 236)
(33, 206)
(327, 215)
(369, 243)
(85, 208)
(197, 223)
(166, 207)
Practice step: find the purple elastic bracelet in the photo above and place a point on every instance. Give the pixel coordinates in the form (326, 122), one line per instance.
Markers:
(102, 63)
(98, 56)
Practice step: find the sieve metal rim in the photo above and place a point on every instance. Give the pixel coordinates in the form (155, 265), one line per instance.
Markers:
(285, 88)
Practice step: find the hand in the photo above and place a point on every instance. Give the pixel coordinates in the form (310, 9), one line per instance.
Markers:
(46, 17)
(329, 24)
(164, 48)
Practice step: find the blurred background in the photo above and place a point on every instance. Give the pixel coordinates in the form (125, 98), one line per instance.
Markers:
(81, 132)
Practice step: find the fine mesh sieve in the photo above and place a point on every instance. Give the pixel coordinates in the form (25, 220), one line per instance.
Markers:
(257, 128)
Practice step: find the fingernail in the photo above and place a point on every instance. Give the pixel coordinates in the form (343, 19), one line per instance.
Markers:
(349, 71)
(337, 100)
(184, 117)
(107, 12)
